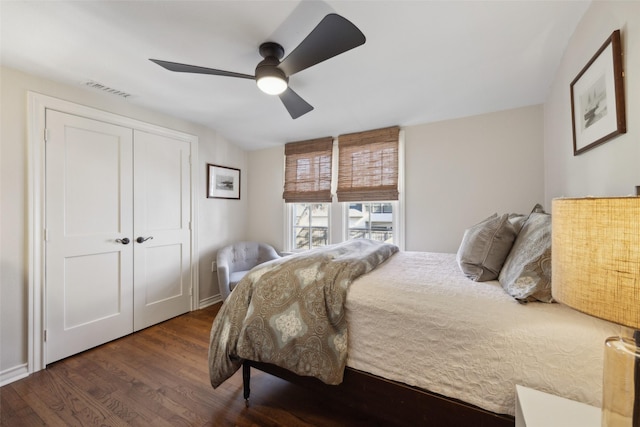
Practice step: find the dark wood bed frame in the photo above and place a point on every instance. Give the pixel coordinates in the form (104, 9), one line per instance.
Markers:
(389, 401)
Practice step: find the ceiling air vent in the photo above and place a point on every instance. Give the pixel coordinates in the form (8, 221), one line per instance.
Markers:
(99, 86)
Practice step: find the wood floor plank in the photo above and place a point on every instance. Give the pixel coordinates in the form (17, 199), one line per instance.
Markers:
(105, 390)
(142, 389)
(55, 404)
(15, 411)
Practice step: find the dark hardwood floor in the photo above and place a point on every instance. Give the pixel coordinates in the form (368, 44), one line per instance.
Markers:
(159, 377)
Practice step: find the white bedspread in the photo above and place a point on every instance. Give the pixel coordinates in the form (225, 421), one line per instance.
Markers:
(418, 320)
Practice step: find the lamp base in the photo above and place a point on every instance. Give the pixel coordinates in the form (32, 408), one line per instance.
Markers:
(621, 382)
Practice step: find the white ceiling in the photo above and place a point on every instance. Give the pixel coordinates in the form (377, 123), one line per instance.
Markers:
(423, 61)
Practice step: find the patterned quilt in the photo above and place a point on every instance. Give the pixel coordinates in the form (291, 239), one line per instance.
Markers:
(290, 312)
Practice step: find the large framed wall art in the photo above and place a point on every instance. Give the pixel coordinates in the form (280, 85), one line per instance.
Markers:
(597, 98)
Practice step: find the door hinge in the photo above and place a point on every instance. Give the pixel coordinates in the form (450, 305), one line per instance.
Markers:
(45, 335)
(46, 234)
(46, 135)
(190, 290)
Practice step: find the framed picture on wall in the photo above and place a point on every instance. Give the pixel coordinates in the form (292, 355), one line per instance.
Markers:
(597, 98)
(223, 182)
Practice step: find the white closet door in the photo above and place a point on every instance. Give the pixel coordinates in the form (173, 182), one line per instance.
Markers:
(89, 205)
(162, 183)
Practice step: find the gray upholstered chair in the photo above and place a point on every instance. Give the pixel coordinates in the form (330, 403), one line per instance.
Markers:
(234, 261)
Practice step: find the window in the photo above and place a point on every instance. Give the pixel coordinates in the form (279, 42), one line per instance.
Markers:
(369, 220)
(369, 167)
(310, 225)
(364, 170)
(307, 192)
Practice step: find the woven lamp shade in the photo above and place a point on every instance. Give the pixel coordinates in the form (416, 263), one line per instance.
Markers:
(596, 257)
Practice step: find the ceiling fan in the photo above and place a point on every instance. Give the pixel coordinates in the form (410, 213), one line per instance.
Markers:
(332, 36)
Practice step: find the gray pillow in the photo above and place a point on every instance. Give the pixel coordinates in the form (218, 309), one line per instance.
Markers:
(526, 274)
(485, 246)
(518, 221)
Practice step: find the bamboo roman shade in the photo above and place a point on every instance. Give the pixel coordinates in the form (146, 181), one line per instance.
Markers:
(368, 165)
(307, 175)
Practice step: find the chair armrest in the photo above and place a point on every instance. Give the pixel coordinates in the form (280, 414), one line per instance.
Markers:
(223, 277)
(267, 253)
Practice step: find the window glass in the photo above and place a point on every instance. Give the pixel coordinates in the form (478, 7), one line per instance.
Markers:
(371, 221)
(310, 225)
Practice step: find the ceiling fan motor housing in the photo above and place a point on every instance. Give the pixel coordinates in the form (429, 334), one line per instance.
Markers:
(268, 68)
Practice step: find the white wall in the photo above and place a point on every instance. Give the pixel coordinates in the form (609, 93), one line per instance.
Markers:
(460, 171)
(266, 207)
(457, 172)
(219, 220)
(613, 168)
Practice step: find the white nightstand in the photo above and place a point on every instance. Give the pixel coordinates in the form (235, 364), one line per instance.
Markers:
(537, 409)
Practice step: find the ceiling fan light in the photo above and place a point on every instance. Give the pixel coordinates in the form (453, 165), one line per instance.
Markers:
(272, 85)
(270, 78)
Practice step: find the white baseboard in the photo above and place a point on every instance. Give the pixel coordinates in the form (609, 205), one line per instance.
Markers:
(14, 374)
(209, 301)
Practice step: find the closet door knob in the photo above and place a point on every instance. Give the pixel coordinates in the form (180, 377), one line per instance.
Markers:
(124, 241)
(143, 239)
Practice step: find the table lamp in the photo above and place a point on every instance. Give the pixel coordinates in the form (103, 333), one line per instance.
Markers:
(595, 267)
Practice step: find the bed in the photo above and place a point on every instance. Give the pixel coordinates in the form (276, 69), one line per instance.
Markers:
(428, 345)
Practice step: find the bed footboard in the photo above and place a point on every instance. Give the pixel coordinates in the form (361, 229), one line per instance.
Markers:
(390, 401)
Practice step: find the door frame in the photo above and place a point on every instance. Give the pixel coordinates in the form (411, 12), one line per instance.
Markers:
(37, 104)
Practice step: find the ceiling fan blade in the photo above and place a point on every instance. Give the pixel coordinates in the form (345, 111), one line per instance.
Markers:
(184, 68)
(332, 36)
(295, 105)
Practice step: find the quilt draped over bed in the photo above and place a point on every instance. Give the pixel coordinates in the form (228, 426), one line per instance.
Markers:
(290, 312)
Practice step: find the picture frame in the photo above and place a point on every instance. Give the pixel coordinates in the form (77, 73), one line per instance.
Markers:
(223, 182)
(597, 98)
